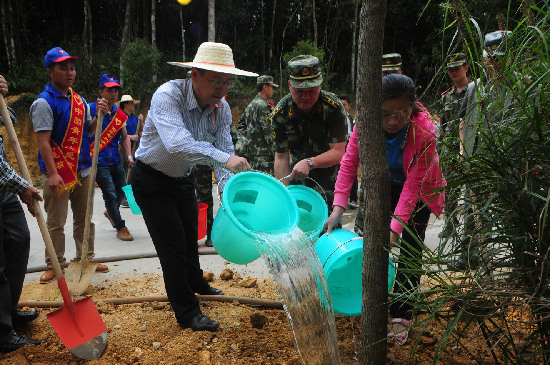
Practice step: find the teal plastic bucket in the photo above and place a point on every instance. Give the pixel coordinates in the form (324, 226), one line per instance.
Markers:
(312, 210)
(252, 202)
(341, 255)
(131, 200)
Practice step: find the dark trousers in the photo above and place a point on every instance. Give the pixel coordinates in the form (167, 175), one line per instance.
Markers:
(14, 255)
(170, 211)
(409, 270)
(111, 179)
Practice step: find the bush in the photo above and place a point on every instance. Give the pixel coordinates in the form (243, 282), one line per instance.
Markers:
(140, 61)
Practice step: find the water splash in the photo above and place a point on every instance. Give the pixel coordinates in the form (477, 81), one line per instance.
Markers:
(300, 281)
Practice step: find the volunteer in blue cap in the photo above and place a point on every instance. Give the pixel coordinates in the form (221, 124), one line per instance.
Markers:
(62, 123)
(110, 173)
(15, 242)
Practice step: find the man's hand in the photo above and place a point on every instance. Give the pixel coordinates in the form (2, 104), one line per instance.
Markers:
(300, 170)
(28, 196)
(55, 184)
(237, 164)
(133, 137)
(3, 86)
(103, 105)
(140, 118)
(334, 218)
(130, 161)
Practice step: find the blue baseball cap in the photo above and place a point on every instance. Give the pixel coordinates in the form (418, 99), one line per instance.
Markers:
(57, 55)
(108, 80)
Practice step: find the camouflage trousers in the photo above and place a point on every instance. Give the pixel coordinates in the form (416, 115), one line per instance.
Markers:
(203, 187)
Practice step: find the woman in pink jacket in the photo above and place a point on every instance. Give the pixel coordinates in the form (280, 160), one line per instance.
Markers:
(416, 186)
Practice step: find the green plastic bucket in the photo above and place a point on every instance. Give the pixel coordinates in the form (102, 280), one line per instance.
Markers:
(341, 255)
(312, 210)
(131, 200)
(252, 202)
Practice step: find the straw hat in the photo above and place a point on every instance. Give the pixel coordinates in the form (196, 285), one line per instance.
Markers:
(216, 57)
(126, 98)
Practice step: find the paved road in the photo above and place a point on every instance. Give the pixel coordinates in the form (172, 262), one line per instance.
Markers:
(107, 245)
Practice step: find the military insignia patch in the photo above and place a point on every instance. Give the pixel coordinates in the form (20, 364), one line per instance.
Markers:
(305, 71)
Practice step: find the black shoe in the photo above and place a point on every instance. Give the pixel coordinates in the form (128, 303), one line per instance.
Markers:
(200, 323)
(211, 291)
(208, 242)
(15, 342)
(21, 317)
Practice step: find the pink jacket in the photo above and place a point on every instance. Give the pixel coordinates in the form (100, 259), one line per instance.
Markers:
(421, 167)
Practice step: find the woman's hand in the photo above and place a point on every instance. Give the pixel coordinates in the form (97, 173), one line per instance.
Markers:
(334, 218)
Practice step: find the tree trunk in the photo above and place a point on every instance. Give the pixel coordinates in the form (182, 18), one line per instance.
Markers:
(146, 20)
(125, 37)
(272, 35)
(314, 23)
(354, 49)
(6, 34)
(9, 41)
(87, 38)
(374, 164)
(211, 20)
(153, 31)
(182, 35)
(262, 26)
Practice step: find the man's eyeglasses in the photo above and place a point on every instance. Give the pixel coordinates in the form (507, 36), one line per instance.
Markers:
(456, 68)
(217, 84)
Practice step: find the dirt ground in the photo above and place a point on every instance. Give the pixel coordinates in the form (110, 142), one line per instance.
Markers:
(147, 333)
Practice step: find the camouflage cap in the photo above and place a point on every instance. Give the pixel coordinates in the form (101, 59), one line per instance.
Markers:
(495, 42)
(391, 62)
(456, 60)
(266, 80)
(304, 72)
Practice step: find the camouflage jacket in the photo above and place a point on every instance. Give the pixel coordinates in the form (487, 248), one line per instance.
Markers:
(309, 136)
(254, 141)
(451, 101)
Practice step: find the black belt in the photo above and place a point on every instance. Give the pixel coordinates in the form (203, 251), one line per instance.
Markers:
(159, 174)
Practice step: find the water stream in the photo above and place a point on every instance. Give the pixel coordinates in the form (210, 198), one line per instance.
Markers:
(298, 275)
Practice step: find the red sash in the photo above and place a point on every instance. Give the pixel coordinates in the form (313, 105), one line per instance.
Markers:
(118, 121)
(66, 157)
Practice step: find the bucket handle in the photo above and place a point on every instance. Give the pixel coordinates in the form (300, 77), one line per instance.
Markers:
(319, 185)
(340, 245)
(230, 172)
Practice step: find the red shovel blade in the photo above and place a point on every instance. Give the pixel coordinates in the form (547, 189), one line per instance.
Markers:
(79, 326)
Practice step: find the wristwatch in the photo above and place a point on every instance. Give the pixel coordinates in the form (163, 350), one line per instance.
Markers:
(310, 163)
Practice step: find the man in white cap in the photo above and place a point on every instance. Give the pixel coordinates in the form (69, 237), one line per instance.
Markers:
(188, 124)
(134, 126)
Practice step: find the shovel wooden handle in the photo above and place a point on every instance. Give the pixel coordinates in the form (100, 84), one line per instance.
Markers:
(91, 187)
(27, 176)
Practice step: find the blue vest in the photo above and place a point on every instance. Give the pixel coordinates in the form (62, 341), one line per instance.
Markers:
(61, 108)
(109, 155)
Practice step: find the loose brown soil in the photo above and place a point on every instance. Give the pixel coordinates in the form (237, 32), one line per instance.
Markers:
(147, 333)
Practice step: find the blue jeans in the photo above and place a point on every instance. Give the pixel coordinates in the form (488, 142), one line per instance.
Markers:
(111, 179)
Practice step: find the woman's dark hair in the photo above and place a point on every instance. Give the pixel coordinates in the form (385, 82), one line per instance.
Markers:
(397, 86)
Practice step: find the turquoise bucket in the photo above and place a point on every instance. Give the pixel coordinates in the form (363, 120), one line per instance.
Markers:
(341, 255)
(131, 200)
(252, 202)
(312, 210)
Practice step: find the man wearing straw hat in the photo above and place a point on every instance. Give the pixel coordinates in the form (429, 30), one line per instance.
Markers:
(310, 123)
(188, 124)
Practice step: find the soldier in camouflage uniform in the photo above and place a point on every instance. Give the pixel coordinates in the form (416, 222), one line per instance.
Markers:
(254, 141)
(451, 101)
(392, 64)
(310, 124)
